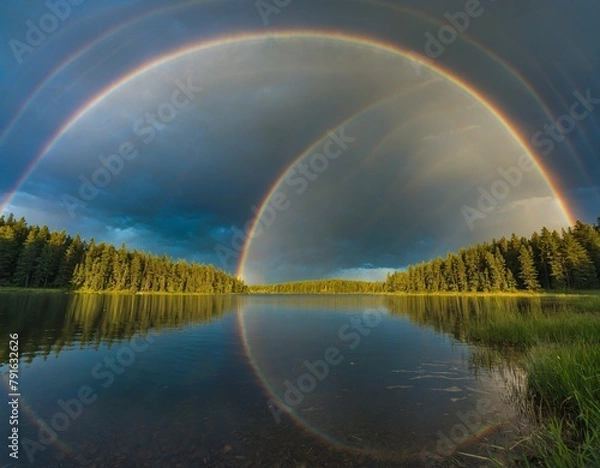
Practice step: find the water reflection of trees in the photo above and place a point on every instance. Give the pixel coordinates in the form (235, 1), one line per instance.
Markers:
(49, 323)
(456, 314)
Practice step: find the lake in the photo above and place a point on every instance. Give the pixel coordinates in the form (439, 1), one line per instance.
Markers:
(117, 380)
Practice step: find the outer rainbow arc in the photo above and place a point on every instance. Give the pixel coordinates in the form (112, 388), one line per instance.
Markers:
(296, 34)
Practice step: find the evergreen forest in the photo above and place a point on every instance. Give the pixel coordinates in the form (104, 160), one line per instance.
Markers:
(35, 257)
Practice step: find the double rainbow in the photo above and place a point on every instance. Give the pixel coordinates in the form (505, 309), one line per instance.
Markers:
(323, 35)
(351, 40)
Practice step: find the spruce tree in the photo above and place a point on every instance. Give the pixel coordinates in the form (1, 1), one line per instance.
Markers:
(10, 249)
(589, 239)
(527, 272)
(28, 259)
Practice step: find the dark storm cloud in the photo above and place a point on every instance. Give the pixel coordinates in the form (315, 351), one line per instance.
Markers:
(213, 163)
(263, 105)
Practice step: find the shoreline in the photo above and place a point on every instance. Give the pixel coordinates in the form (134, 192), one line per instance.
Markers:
(525, 294)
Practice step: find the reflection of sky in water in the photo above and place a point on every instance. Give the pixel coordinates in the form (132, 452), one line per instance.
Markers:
(396, 386)
(191, 392)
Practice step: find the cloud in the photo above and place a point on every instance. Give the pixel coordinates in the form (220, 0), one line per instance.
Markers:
(363, 274)
(422, 151)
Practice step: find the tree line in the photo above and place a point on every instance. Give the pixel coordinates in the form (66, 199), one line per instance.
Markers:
(322, 286)
(548, 260)
(35, 257)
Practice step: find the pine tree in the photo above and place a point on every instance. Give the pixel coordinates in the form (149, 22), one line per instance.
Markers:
(471, 262)
(580, 270)
(449, 274)
(460, 270)
(589, 239)
(28, 259)
(527, 271)
(10, 249)
(136, 272)
(50, 258)
(559, 278)
(73, 255)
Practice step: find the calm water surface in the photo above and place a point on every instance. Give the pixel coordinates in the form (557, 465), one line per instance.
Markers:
(250, 380)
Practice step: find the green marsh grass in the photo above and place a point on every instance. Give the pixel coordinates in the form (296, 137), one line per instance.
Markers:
(526, 331)
(556, 341)
(564, 386)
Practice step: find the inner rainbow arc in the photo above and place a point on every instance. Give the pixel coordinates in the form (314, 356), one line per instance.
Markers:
(469, 89)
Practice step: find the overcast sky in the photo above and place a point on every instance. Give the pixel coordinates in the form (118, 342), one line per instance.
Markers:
(362, 160)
